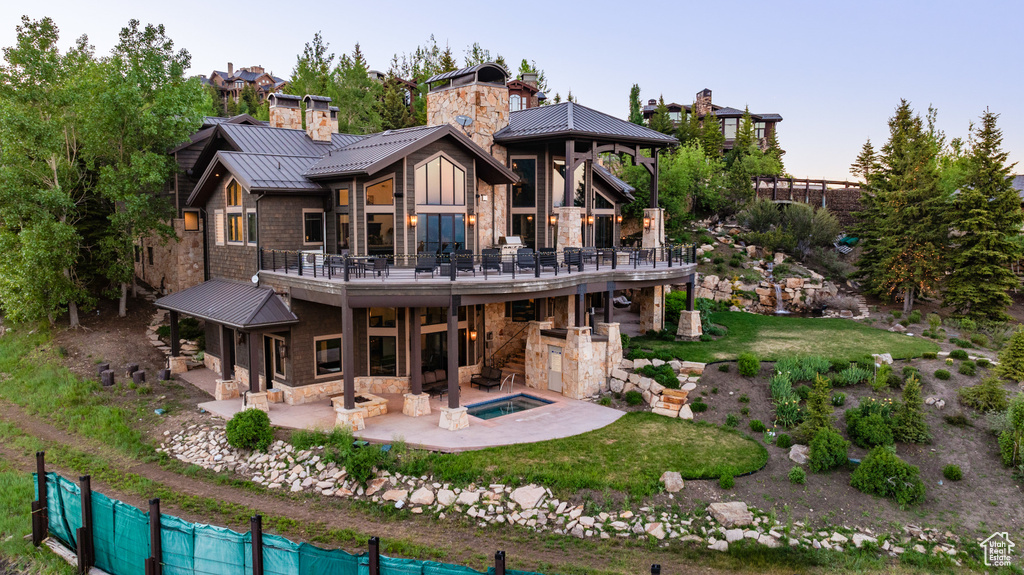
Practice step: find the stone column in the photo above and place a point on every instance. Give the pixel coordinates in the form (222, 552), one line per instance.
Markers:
(652, 308)
(569, 227)
(690, 328)
(536, 355)
(654, 235)
(580, 377)
(416, 402)
(613, 351)
(565, 311)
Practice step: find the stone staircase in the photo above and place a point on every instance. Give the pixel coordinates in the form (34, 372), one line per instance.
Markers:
(515, 363)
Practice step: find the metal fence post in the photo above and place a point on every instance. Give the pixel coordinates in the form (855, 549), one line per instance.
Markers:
(656, 569)
(256, 531)
(154, 563)
(84, 534)
(499, 563)
(40, 519)
(374, 556)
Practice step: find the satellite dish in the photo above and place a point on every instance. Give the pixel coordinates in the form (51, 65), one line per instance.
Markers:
(464, 120)
(255, 279)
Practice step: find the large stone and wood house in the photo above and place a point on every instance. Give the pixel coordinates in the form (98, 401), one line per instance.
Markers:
(342, 266)
(231, 83)
(729, 118)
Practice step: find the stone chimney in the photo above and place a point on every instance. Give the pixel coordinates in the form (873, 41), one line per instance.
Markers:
(285, 112)
(318, 117)
(702, 103)
(530, 78)
(480, 96)
(334, 119)
(231, 69)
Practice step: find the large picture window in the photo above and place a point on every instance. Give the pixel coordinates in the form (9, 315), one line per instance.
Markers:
(525, 226)
(381, 193)
(328, 355)
(440, 233)
(313, 227)
(440, 182)
(579, 185)
(383, 354)
(380, 234)
(236, 233)
(604, 231)
(344, 233)
(524, 192)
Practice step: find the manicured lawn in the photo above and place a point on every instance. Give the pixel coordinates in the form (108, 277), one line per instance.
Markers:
(629, 455)
(772, 337)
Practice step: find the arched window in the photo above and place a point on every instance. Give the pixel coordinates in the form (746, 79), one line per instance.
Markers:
(515, 103)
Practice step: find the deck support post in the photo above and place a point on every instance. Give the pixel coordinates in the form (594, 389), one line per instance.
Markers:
(348, 354)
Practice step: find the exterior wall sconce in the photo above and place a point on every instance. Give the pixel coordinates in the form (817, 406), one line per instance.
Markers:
(412, 221)
(647, 223)
(472, 335)
(590, 220)
(529, 218)
(472, 219)
(618, 219)
(553, 219)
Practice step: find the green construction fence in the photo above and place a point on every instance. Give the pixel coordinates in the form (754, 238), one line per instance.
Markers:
(121, 544)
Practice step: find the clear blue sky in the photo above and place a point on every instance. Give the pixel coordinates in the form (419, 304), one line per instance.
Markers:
(834, 70)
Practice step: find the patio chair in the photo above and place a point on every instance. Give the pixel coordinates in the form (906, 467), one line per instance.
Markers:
(525, 259)
(380, 268)
(589, 255)
(607, 255)
(573, 257)
(489, 377)
(355, 267)
(425, 264)
(642, 256)
(464, 261)
(548, 259)
(491, 260)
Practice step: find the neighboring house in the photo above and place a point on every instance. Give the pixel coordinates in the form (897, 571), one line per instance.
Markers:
(1018, 184)
(729, 118)
(346, 264)
(231, 83)
(409, 87)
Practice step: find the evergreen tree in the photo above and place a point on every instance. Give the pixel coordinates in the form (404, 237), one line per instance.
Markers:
(866, 162)
(745, 139)
(557, 99)
(1011, 357)
(986, 216)
(314, 70)
(394, 113)
(902, 226)
(249, 102)
(909, 425)
(775, 151)
(819, 407)
(711, 136)
(447, 62)
(531, 68)
(477, 54)
(689, 129)
(636, 114)
(358, 95)
(660, 121)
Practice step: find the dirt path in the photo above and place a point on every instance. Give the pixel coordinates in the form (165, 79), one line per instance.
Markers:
(464, 544)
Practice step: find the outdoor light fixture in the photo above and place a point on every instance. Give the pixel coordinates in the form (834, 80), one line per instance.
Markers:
(472, 335)
(553, 219)
(529, 218)
(472, 220)
(590, 220)
(647, 223)
(618, 219)
(412, 221)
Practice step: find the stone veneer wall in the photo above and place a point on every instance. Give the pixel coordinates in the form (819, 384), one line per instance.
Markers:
(569, 227)
(177, 262)
(504, 329)
(586, 364)
(487, 105)
(318, 125)
(288, 118)
(652, 308)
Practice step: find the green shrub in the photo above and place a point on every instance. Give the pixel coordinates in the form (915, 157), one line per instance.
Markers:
(802, 391)
(732, 421)
(726, 481)
(983, 362)
(797, 475)
(989, 395)
(980, 340)
(663, 374)
(839, 399)
(706, 337)
(883, 473)
(909, 370)
(866, 362)
(717, 260)
(914, 317)
(868, 430)
(934, 321)
(756, 426)
(698, 406)
(908, 423)
(634, 397)
(851, 376)
(968, 368)
(785, 400)
(828, 450)
(1011, 358)
(952, 472)
(744, 398)
(958, 354)
(1011, 439)
(929, 355)
(250, 429)
(605, 401)
(625, 339)
(783, 441)
(748, 364)
(958, 420)
(723, 367)
(840, 364)
(714, 331)
(896, 314)
(942, 374)
(881, 380)
(745, 411)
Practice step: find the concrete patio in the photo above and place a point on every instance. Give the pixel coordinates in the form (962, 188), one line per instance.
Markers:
(564, 417)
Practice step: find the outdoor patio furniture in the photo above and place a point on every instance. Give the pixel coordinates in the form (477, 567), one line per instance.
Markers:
(380, 268)
(548, 259)
(573, 257)
(524, 259)
(464, 261)
(491, 260)
(489, 377)
(621, 302)
(425, 264)
(589, 255)
(607, 255)
(642, 256)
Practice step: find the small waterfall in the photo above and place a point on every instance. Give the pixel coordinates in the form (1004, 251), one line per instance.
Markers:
(779, 309)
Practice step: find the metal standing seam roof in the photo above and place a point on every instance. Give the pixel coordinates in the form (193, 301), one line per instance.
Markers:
(614, 181)
(464, 72)
(268, 140)
(571, 119)
(269, 171)
(237, 305)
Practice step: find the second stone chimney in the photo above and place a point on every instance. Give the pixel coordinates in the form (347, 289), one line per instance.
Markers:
(334, 119)
(702, 103)
(231, 69)
(318, 117)
(284, 111)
